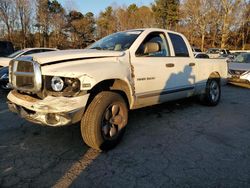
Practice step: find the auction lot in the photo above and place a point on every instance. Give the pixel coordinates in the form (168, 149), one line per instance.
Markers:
(178, 144)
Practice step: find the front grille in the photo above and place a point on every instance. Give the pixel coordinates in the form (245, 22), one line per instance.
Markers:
(25, 66)
(25, 75)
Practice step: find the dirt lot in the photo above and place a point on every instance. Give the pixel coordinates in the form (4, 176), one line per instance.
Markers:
(181, 144)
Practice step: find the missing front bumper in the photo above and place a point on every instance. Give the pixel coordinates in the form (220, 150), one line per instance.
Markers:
(51, 111)
(50, 119)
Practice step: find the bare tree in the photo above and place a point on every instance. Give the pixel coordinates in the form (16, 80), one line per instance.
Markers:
(216, 23)
(197, 14)
(8, 16)
(24, 12)
(229, 8)
(245, 27)
(42, 18)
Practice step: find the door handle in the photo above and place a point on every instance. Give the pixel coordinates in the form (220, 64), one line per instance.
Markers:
(170, 65)
(191, 64)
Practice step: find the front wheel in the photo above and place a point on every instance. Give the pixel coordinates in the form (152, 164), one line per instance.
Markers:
(211, 97)
(104, 121)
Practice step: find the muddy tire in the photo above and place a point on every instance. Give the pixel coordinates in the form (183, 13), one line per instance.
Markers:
(104, 121)
(213, 92)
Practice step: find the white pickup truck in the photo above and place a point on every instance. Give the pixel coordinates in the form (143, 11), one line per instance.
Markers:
(98, 85)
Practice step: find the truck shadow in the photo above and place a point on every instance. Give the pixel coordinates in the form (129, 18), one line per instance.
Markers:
(184, 80)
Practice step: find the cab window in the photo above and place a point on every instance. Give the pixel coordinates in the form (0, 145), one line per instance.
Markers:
(154, 45)
(180, 47)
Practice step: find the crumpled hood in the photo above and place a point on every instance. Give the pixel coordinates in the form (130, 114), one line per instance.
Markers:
(71, 55)
(4, 61)
(239, 66)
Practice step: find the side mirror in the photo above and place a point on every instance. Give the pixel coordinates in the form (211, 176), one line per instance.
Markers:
(152, 47)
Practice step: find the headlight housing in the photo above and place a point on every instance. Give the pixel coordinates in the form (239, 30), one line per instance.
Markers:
(61, 86)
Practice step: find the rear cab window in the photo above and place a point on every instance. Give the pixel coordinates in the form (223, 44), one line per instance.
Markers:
(179, 45)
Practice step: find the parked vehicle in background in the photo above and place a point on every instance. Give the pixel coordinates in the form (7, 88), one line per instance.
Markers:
(239, 51)
(201, 55)
(217, 53)
(4, 78)
(98, 85)
(4, 61)
(233, 55)
(196, 50)
(6, 48)
(239, 69)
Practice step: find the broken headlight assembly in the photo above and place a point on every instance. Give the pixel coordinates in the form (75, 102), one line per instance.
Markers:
(62, 86)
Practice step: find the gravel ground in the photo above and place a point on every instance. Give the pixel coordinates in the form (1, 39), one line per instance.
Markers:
(178, 144)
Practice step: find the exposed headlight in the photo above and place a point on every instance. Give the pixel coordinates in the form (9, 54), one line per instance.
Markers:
(57, 83)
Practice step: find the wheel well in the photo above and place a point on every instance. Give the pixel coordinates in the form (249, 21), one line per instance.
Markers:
(115, 85)
(216, 76)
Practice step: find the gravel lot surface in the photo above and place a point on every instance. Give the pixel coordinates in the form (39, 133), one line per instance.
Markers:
(179, 144)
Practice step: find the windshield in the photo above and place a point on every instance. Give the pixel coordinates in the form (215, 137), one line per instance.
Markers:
(242, 58)
(117, 42)
(15, 54)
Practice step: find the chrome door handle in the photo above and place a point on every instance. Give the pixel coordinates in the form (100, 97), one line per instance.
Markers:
(169, 65)
(191, 64)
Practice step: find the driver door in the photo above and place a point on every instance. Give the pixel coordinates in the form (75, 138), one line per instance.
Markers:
(158, 76)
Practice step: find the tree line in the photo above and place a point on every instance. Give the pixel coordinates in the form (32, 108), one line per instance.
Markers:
(46, 23)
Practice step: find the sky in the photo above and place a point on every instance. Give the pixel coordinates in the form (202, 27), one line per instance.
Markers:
(96, 6)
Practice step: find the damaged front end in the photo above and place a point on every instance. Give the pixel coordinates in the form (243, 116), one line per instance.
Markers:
(52, 111)
(43, 99)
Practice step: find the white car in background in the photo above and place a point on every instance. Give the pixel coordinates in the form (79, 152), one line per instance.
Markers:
(239, 69)
(201, 55)
(217, 53)
(196, 50)
(4, 61)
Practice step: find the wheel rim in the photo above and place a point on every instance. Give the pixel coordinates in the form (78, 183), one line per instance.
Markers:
(214, 91)
(113, 121)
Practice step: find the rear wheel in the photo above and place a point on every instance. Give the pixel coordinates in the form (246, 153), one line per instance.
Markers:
(104, 121)
(213, 92)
